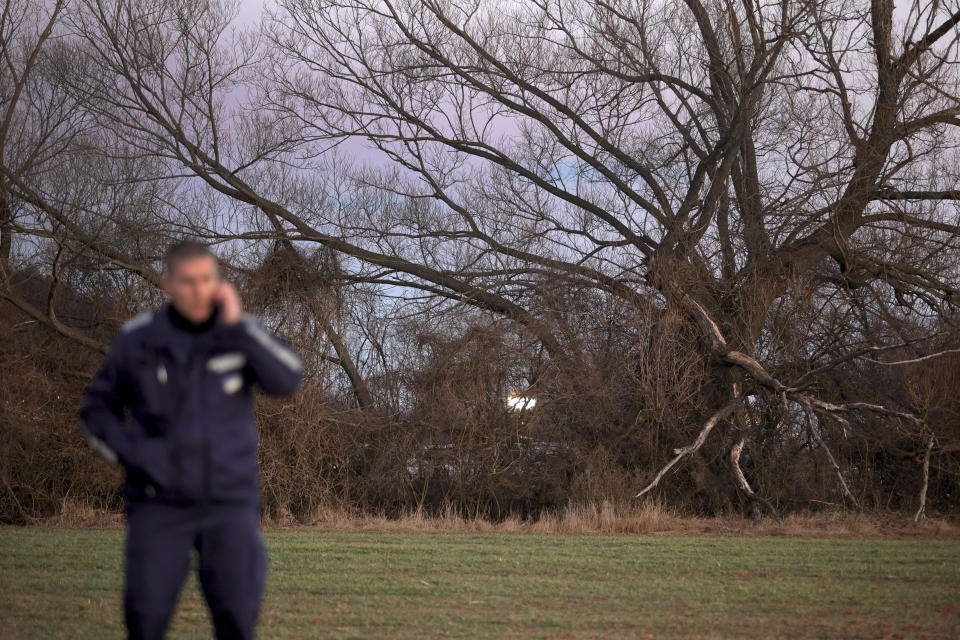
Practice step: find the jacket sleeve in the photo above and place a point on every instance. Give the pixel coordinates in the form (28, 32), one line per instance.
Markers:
(276, 368)
(102, 414)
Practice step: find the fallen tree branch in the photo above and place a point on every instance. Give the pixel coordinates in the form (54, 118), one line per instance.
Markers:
(721, 351)
(756, 370)
(833, 462)
(921, 511)
(735, 453)
(857, 406)
(696, 444)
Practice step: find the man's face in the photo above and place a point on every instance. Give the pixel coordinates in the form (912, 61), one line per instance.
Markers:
(192, 284)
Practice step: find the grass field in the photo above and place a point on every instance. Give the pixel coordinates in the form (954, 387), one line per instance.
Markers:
(65, 583)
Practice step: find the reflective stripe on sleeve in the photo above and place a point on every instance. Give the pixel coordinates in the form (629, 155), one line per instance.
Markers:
(136, 322)
(271, 344)
(101, 448)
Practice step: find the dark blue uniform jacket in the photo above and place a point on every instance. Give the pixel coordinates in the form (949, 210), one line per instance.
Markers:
(174, 406)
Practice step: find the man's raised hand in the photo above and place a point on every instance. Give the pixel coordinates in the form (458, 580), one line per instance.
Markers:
(230, 306)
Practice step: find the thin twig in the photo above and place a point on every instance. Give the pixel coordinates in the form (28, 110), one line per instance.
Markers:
(913, 360)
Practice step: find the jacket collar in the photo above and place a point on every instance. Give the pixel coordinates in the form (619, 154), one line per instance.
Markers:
(182, 344)
(181, 323)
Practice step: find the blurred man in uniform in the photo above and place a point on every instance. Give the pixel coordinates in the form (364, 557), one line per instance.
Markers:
(173, 404)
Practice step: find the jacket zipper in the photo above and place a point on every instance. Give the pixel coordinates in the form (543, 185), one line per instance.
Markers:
(205, 430)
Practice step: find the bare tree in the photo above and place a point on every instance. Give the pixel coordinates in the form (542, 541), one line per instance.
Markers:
(771, 187)
(709, 158)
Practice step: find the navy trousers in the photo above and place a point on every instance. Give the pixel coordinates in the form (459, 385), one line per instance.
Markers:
(232, 565)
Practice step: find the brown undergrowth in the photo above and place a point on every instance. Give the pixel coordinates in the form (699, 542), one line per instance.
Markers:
(605, 518)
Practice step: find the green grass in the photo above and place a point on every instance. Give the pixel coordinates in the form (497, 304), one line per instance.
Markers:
(65, 583)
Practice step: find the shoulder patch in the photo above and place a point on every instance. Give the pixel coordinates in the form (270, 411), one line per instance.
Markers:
(138, 321)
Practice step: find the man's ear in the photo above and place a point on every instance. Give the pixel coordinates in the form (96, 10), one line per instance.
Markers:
(165, 284)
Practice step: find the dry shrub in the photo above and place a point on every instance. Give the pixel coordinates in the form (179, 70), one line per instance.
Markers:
(78, 513)
(454, 456)
(44, 462)
(608, 518)
(647, 518)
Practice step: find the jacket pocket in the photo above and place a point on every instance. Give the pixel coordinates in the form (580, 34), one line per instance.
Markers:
(153, 385)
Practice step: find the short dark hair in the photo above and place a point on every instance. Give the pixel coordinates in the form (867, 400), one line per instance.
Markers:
(186, 250)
